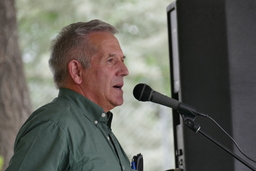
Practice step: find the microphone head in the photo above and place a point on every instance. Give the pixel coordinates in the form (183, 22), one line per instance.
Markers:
(142, 92)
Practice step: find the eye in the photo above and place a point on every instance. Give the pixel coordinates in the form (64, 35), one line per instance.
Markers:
(110, 60)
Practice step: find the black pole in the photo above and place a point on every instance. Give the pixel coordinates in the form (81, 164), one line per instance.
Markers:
(227, 150)
(190, 123)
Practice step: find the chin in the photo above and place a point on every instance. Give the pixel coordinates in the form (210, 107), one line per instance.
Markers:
(119, 102)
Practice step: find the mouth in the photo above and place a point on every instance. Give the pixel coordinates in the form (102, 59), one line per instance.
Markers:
(118, 86)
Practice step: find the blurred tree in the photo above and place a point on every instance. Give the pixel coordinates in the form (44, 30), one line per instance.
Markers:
(14, 97)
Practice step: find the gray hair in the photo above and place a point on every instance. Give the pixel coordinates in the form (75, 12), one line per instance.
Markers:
(72, 44)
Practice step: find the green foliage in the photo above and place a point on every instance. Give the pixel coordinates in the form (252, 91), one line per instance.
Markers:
(1, 162)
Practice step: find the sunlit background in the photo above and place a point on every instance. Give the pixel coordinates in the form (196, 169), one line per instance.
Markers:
(141, 127)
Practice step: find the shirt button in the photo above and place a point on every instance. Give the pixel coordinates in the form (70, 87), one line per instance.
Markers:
(123, 168)
(95, 122)
(103, 115)
(108, 138)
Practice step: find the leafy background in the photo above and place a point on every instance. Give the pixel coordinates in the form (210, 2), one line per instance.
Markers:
(140, 127)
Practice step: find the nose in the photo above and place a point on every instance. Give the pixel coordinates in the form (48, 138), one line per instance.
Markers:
(123, 70)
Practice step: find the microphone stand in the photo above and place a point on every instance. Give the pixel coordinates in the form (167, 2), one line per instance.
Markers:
(190, 123)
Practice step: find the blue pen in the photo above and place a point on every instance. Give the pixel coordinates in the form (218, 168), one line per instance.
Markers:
(133, 165)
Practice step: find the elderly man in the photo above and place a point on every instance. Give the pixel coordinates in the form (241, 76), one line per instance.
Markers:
(73, 132)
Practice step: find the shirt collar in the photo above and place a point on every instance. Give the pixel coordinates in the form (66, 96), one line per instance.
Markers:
(89, 109)
(110, 117)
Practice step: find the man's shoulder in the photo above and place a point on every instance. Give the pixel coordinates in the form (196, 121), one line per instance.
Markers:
(57, 111)
(54, 116)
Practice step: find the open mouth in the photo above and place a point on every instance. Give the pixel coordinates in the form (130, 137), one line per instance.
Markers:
(118, 87)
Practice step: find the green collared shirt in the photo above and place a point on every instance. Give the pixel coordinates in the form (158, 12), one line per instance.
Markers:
(69, 134)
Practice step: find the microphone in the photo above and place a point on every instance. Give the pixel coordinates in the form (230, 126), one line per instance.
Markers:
(143, 92)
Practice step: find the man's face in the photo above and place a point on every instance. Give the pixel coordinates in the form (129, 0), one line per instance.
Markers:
(103, 80)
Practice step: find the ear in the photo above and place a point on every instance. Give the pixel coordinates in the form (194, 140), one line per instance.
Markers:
(75, 71)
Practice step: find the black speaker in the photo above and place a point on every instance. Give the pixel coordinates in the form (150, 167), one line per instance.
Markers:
(212, 45)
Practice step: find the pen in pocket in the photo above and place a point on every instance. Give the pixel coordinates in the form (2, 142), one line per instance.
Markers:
(137, 162)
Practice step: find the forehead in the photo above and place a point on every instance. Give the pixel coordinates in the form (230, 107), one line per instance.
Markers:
(102, 37)
(105, 43)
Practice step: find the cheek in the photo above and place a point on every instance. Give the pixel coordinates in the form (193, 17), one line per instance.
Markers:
(102, 78)
(104, 75)
(98, 83)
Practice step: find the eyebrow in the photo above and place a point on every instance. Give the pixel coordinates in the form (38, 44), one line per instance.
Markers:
(113, 54)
